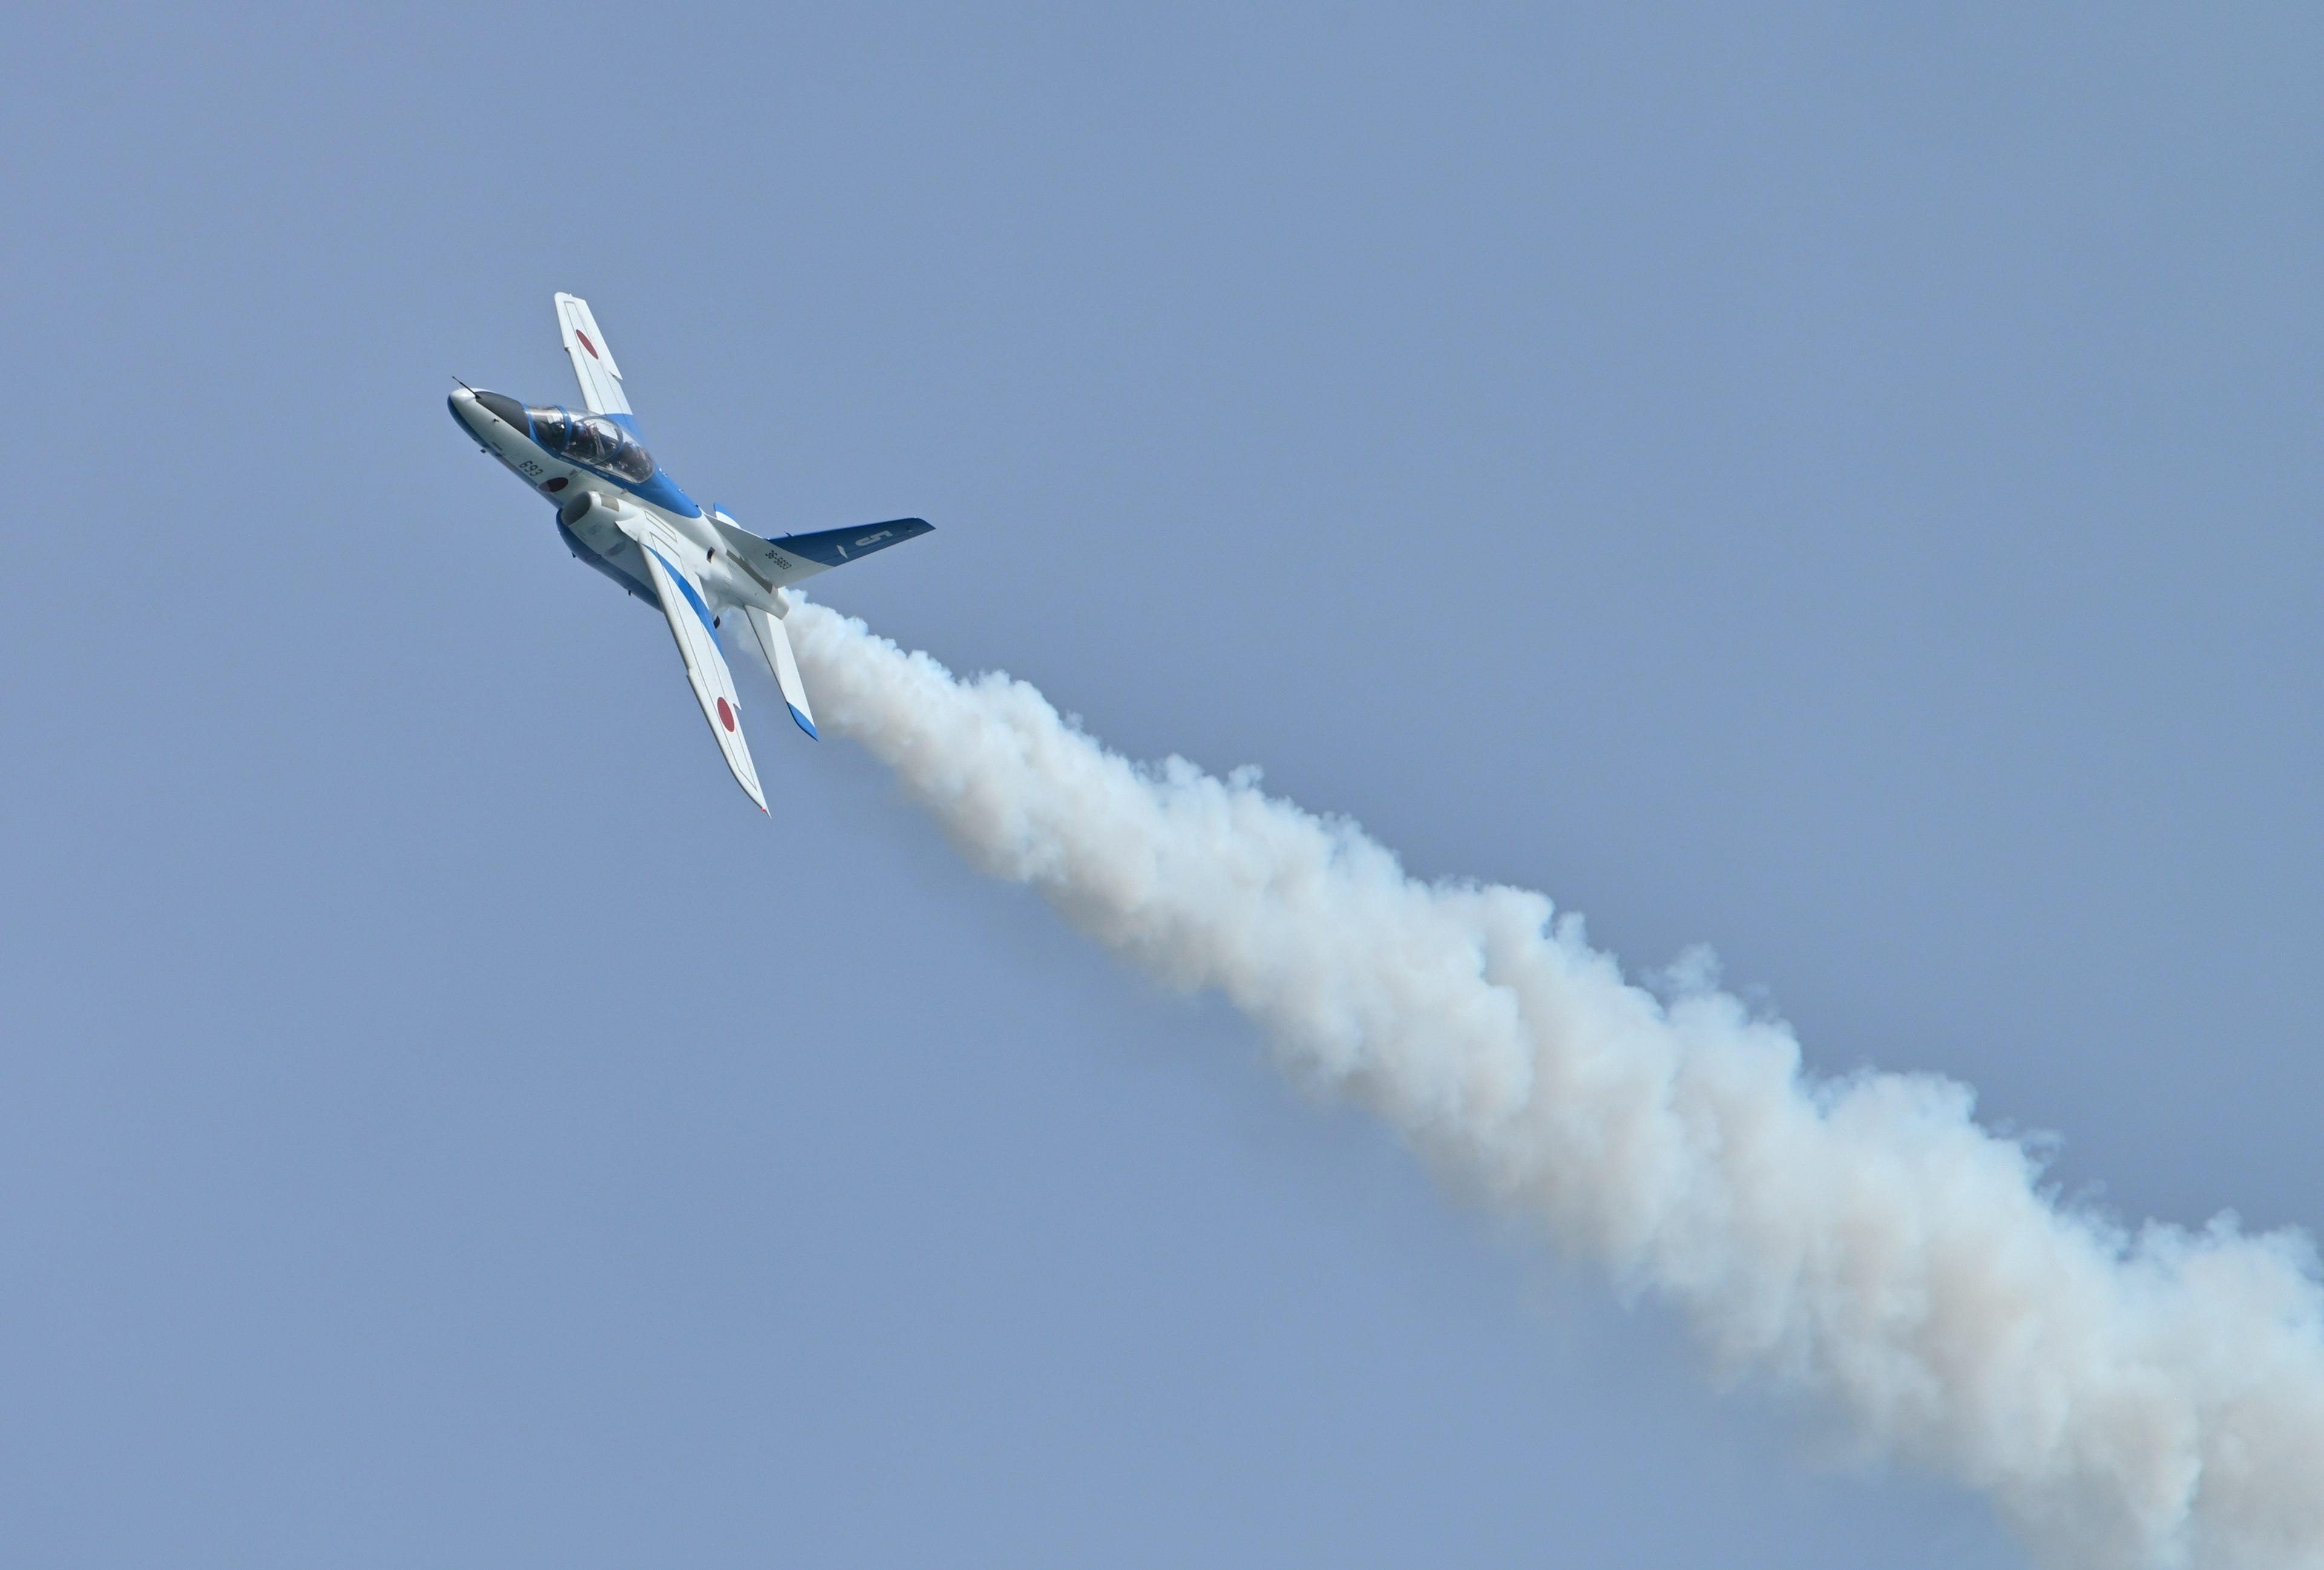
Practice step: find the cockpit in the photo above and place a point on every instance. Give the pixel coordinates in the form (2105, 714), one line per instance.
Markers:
(593, 440)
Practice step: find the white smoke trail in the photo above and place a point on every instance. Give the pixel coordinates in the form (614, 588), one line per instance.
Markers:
(2146, 1399)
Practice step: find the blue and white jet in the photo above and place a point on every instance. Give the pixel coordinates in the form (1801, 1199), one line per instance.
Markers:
(618, 512)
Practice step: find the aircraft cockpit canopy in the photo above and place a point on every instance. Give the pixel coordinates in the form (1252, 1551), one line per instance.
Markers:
(593, 440)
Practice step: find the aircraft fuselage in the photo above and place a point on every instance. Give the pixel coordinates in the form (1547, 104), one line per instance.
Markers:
(590, 497)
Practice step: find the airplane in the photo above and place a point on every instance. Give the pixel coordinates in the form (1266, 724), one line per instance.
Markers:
(618, 512)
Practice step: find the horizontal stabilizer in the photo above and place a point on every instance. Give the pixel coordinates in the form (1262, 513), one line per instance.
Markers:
(776, 645)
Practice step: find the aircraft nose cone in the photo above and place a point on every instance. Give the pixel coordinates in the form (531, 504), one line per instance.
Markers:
(463, 404)
(478, 412)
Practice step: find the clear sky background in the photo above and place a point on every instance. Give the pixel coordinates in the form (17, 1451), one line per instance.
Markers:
(1840, 483)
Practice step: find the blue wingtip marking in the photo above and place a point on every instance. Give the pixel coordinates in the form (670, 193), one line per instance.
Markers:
(805, 724)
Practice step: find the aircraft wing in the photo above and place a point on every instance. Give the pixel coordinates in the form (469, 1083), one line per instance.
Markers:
(776, 562)
(593, 362)
(698, 645)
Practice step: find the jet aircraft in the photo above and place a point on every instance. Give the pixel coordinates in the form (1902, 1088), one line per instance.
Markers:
(617, 511)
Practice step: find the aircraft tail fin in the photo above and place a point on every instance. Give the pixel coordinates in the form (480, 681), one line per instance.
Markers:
(776, 562)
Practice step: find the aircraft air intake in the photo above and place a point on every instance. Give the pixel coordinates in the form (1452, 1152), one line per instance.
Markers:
(578, 506)
(2148, 1397)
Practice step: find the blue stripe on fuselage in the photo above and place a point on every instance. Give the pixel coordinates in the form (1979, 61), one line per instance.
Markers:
(662, 492)
(685, 588)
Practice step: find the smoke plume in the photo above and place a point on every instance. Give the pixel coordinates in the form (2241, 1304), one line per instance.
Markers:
(2130, 1398)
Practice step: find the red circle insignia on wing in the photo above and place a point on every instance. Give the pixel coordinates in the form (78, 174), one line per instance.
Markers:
(725, 715)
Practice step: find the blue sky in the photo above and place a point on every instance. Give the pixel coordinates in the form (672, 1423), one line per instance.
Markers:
(1836, 484)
